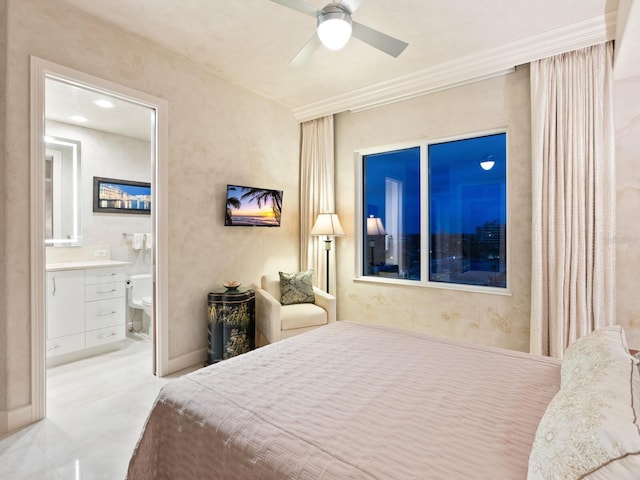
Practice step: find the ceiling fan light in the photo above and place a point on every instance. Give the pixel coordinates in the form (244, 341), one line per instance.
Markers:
(334, 28)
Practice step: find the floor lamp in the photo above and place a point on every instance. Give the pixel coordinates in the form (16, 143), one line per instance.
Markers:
(327, 224)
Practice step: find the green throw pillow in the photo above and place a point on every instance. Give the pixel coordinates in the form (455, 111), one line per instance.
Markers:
(296, 288)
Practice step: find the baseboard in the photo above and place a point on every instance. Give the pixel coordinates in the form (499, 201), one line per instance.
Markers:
(11, 420)
(187, 360)
(74, 356)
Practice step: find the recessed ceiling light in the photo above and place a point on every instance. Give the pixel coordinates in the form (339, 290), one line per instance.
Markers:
(78, 118)
(101, 102)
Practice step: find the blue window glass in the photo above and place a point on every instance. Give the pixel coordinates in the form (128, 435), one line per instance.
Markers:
(467, 211)
(391, 188)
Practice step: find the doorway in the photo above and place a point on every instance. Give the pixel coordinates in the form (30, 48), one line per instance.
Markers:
(46, 77)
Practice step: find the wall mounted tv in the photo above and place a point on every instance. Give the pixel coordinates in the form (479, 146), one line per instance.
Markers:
(253, 207)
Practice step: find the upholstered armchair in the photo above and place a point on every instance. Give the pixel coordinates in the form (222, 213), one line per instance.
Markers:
(275, 321)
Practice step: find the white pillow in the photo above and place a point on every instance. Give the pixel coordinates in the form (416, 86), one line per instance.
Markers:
(590, 429)
(591, 352)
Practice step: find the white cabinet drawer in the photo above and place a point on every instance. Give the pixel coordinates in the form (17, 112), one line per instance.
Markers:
(103, 291)
(93, 276)
(69, 343)
(104, 313)
(104, 335)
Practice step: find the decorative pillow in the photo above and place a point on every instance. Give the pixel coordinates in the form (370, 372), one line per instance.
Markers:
(590, 429)
(591, 352)
(296, 288)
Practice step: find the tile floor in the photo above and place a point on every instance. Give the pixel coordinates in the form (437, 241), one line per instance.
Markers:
(96, 408)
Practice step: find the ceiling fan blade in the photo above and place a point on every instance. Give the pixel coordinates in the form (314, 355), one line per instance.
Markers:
(305, 53)
(352, 5)
(300, 6)
(377, 39)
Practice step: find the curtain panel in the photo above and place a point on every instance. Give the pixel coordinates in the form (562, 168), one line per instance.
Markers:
(317, 195)
(573, 175)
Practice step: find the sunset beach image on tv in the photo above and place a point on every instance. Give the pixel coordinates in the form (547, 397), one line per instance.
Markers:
(253, 207)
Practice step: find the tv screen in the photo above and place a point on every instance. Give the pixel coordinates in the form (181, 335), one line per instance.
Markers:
(253, 207)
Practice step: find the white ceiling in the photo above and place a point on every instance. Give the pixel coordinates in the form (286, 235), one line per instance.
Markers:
(250, 42)
(63, 100)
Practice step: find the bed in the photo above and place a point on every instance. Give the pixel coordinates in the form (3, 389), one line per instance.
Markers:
(351, 401)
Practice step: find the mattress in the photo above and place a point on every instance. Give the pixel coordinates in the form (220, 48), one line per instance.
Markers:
(351, 401)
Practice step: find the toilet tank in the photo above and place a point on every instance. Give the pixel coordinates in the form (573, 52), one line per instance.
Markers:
(138, 287)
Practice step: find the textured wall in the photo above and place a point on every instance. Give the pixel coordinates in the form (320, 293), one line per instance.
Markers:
(3, 179)
(627, 121)
(218, 133)
(500, 320)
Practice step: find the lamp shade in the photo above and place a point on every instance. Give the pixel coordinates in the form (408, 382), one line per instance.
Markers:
(334, 27)
(374, 226)
(327, 224)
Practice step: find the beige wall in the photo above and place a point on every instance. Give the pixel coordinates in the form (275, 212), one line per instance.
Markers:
(500, 320)
(218, 134)
(627, 236)
(3, 303)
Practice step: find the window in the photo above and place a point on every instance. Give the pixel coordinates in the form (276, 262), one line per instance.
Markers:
(467, 211)
(392, 211)
(463, 184)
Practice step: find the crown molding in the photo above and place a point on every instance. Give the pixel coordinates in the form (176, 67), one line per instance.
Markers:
(468, 69)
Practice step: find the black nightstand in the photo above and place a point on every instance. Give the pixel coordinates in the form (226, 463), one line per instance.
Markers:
(231, 323)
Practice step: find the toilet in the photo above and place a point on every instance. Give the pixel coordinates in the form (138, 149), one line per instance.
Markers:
(139, 297)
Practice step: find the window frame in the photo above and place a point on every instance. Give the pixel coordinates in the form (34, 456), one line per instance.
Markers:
(424, 281)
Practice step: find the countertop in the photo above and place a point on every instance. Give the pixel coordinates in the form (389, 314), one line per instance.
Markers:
(54, 267)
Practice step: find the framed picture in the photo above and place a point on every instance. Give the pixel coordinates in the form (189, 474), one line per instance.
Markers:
(121, 196)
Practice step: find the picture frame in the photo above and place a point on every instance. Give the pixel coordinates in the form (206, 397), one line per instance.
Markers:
(112, 195)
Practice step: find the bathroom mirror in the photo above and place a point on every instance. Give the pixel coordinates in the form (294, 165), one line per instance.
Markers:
(63, 226)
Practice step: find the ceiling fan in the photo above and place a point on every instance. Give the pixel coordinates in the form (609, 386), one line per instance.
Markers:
(335, 27)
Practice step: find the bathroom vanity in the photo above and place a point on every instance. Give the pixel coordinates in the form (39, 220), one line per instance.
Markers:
(85, 306)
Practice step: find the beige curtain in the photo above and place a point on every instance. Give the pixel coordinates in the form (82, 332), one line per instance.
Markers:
(573, 261)
(317, 195)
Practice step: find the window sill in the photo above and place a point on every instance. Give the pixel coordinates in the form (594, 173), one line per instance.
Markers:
(439, 286)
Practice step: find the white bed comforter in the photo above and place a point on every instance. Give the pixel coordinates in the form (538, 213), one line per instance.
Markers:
(351, 401)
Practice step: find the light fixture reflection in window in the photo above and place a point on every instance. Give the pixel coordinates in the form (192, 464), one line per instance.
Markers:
(488, 163)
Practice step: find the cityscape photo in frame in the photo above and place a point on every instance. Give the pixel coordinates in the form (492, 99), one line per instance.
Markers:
(121, 196)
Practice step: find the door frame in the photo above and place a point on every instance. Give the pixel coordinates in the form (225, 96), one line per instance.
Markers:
(40, 70)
